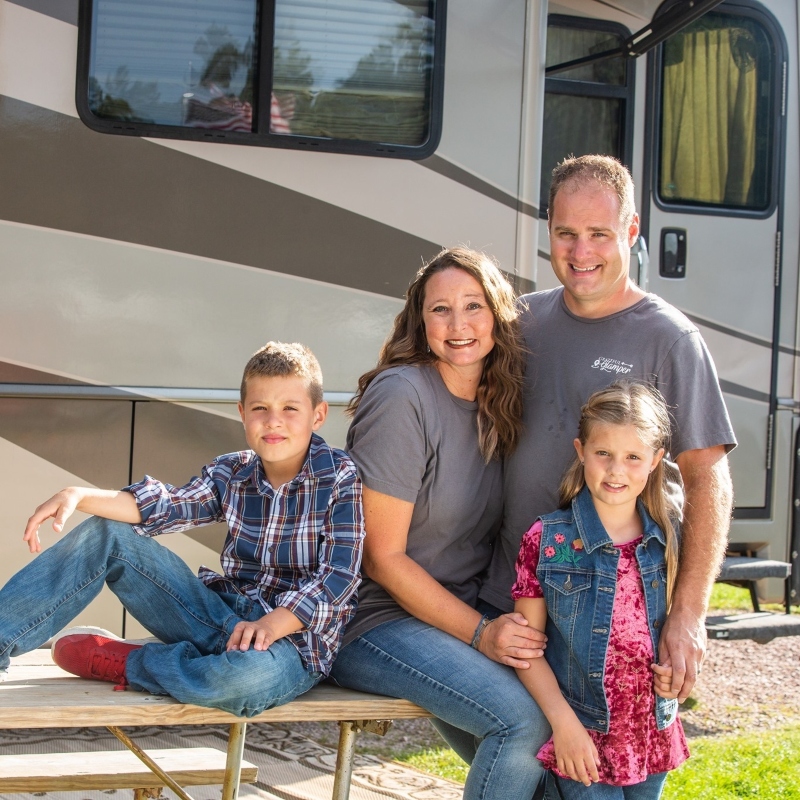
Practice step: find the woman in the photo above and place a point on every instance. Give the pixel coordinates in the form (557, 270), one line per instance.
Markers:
(431, 424)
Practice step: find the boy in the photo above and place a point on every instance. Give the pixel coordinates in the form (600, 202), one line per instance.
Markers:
(258, 635)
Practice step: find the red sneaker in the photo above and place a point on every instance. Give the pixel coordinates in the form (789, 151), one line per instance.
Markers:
(95, 657)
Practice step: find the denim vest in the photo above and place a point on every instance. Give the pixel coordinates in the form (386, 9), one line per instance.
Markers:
(579, 584)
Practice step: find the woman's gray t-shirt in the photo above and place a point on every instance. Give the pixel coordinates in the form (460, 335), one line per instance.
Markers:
(413, 440)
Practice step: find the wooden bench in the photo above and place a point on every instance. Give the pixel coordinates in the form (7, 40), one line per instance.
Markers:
(37, 694)
(116, 769)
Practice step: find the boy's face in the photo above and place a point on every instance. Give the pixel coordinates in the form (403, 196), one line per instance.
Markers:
(278, 418)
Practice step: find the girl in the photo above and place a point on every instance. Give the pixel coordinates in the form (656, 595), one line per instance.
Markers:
(598, 574)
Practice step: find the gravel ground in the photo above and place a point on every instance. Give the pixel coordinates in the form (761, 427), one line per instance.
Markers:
(744, 688)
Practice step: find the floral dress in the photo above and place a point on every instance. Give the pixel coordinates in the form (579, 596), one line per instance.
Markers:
(633, 748)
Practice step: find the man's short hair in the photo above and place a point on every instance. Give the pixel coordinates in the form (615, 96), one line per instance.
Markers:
(594, 169)
(280, 359)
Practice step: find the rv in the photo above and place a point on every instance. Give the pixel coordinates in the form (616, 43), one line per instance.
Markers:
(183, 180)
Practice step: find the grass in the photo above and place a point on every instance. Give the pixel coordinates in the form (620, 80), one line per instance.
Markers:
(440, 761)
(760, 766)
(763, 766)
(729, 598)
(733, 598)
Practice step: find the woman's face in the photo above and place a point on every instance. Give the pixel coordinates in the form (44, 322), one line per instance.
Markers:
(458, 320)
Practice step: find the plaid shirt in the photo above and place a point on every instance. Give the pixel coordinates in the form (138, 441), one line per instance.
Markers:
(297, 547)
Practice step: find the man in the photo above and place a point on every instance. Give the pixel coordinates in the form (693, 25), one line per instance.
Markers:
(600, 326)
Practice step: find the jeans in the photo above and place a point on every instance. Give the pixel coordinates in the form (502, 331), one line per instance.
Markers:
(410, 659)
(193, 621)
(564, 789)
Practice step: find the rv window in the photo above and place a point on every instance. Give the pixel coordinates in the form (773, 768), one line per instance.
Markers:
(587, 109)
(336, 75)
(717, 112)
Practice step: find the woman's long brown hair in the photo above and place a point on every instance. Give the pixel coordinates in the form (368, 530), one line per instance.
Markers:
(500, 389)
(640, 405)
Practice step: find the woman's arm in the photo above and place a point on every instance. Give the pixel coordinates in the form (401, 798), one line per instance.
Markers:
(387, 521)
(575, 751)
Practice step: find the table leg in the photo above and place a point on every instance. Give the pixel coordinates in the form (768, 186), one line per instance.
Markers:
(141, 755)
(344, 760)
(233, 767)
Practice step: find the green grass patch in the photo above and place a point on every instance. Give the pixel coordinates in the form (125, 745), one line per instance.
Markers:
(441, 761)
(734, 598)
(762, 766)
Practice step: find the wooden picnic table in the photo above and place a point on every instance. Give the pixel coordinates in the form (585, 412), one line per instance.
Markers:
(38, 694)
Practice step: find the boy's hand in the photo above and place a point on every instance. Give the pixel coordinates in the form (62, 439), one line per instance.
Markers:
(575, 752)
(263, 632)
(60, 506)
(258, 633)
(662, 680)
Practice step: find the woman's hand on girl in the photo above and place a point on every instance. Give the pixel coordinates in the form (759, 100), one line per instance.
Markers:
(576, 754)
(511, 641)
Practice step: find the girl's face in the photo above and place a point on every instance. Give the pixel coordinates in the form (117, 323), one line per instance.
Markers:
(616, 463)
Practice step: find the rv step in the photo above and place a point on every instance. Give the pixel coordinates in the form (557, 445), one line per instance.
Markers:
(746, 570)
(760, 626)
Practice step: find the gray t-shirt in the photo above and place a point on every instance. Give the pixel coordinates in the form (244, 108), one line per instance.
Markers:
(570, 358)
(413, 440)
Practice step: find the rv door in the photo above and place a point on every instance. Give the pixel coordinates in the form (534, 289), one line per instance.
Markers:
(713, 209)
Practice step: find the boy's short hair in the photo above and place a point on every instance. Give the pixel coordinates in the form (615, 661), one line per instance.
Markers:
(281, 359)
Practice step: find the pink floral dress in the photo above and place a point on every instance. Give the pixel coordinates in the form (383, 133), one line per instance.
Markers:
(633, 748)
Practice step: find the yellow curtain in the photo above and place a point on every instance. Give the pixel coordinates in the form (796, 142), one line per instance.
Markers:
(708, 147)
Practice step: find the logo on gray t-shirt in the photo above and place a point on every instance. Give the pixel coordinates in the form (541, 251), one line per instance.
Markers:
(612, 365)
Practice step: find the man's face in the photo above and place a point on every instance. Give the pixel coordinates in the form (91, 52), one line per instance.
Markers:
(590, 249)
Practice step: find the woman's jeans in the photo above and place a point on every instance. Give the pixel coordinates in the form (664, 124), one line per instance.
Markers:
(158, 588)
(563, 789)
(409, 659)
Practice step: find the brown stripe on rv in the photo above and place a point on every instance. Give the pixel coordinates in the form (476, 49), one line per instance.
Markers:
(56, 173)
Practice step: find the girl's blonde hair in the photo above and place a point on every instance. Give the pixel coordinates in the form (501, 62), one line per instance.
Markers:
(500, 389)
(640, 405)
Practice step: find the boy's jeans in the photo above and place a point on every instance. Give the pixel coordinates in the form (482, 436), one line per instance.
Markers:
(160, 590)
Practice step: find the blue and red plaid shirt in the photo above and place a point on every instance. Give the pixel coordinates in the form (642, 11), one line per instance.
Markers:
(297, 547)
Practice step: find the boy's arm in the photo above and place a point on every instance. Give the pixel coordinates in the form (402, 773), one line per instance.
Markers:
(575, 751)
(168, 509)
(119, 506)
(320, 601)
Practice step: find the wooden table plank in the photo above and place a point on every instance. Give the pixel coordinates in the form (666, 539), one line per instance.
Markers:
(116, 769)
(37, 694)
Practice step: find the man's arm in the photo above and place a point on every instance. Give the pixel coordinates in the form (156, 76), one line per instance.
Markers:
(704, 536)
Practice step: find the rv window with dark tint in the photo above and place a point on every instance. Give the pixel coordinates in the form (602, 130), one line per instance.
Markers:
(717, 112)
(153, 62)
(341, 75)
(587, 109)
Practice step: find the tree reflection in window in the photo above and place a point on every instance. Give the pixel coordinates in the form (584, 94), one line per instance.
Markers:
(153, 63)
(333, 86)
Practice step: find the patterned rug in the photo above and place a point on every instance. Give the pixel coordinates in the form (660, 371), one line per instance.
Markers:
(290, 767)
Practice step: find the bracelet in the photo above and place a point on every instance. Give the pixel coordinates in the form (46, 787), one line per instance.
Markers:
(476, 637)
